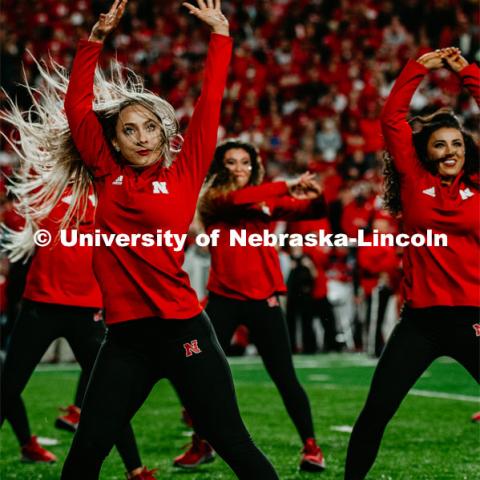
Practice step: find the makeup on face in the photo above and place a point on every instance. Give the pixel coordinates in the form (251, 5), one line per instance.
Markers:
(447, 147)
(139, 135)
(237, 161)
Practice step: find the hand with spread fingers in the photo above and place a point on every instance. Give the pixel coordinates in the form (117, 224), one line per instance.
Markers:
(209, 12)
(108, 21)
(452, 57)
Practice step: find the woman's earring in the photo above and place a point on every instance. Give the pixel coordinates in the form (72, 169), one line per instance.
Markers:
(117, 148)
(175, 143)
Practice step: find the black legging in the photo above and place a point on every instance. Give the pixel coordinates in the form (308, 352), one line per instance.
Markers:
(421, 336)
(268, 331)
(374, 320)
(81, 388)
(17, 415)
(134, 356)
(17, 275)
(37, 326)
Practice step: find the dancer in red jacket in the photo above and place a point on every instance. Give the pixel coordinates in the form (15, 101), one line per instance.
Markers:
(156, 326)
(61, 299)
(436, 187)
(245, 281)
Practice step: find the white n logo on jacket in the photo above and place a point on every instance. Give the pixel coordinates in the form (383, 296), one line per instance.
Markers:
(160, 187)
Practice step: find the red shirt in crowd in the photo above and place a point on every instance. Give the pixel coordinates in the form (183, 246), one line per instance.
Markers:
(139, 281)
(253, 272)
(448, 275)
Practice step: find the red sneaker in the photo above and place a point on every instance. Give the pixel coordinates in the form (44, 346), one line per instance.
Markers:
(144, 475)
(312, 457)
(198, 452)
(33, 452)
(476, 417)
(69, 421)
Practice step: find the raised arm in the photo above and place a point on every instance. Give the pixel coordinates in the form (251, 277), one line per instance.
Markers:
(470, 74)
(201, 136)
(395, 128)
(87, 132)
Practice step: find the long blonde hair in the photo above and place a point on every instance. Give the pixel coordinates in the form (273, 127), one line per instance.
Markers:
(49, 159)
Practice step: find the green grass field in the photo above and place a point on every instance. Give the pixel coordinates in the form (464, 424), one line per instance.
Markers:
(431, 437)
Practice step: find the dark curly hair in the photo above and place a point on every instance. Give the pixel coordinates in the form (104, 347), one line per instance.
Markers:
(423, 127)
(219, 181)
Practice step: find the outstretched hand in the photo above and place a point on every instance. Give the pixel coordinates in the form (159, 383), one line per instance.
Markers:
(209, 12)
(108, 21)
(452, 56)
(304, 187)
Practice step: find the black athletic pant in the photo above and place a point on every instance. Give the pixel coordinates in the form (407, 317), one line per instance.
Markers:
(81, 388)
(17, 415)
(134, 356)
(17, 274)
(268, 331)
(378, 301)
(421, 336)
(323, 309)
(301, 306)
(37, 326)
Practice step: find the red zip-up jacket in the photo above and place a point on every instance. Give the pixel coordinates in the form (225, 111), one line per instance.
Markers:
(448, 276)
(248, 272)
(64, 275)
(138, 281)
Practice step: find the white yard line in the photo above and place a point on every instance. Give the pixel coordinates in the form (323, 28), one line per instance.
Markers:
(342, 428)
(444, 395)
(58, 367)
(319, 378)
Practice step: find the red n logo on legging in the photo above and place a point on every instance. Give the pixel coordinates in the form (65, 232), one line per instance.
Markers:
(191, 348)
(476, 326)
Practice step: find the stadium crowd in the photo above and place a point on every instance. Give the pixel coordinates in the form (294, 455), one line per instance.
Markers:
(307, 82)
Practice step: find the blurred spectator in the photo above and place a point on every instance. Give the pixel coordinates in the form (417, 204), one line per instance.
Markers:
(329, 140)
(300, 283)
(378, 276)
